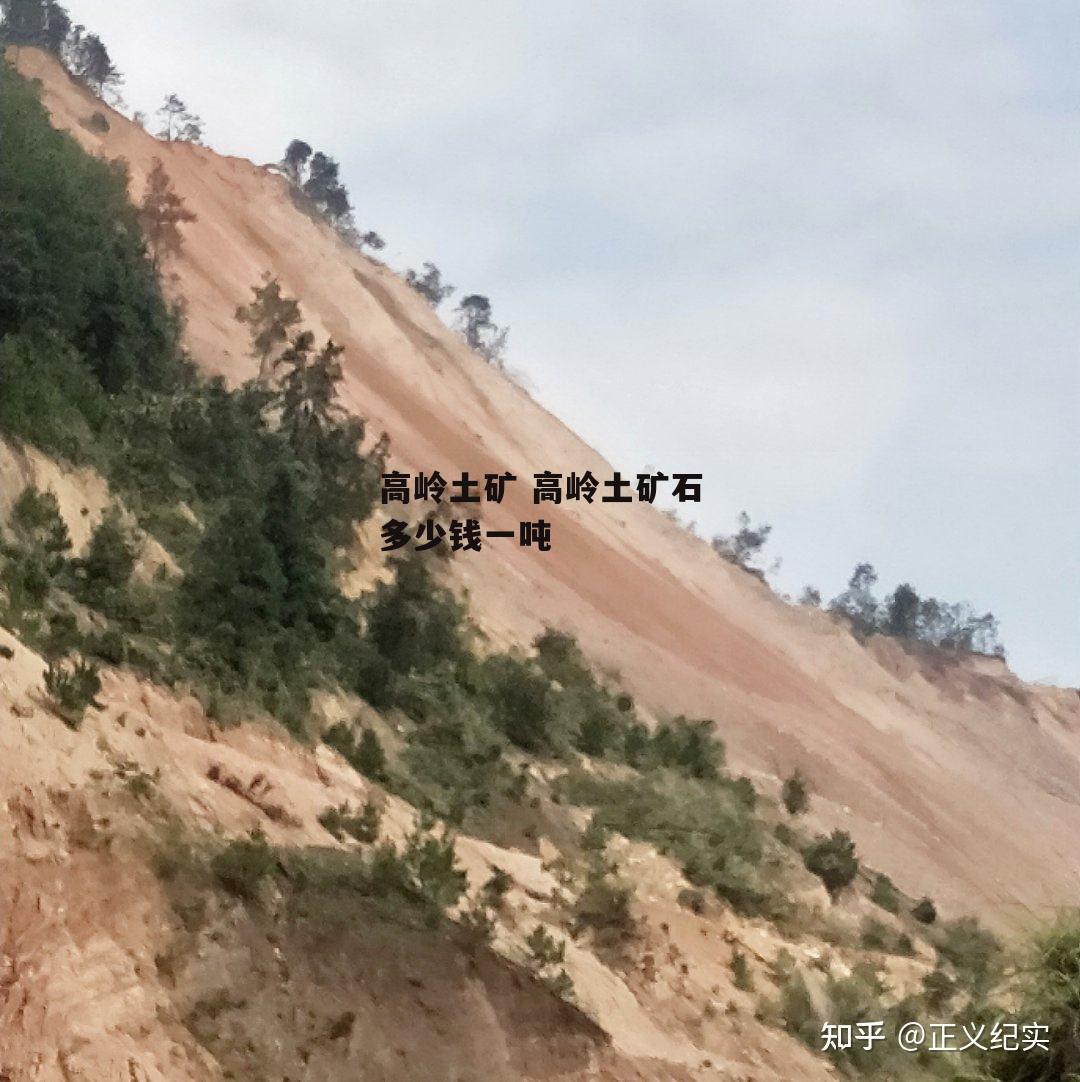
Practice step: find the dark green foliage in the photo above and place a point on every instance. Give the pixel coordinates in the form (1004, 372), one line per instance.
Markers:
(706, 827)
(480, 331)
(740, 972)
(689, 747)
(884, 894)
(795, 794)
(366, 755)
(832, 859)
(33, 557)
(546, 957)
(878, 936)
(743, 547)
(232, 597)
(429, 285)
(522, 701)
(72, 688)
(364, 827)
(271, 316)
(975, 954)
(906, 615)
(48, 394)
(369, 758)
(73, 262)
(243, 865)
(454, 759)
(104, 573)
(693, 899)
(1049, 995)
(603, 907)
(494, 890)
(414, 626)
(924, 911)
(161, 214)
(432, 866)
(43, 23)
(37, 521)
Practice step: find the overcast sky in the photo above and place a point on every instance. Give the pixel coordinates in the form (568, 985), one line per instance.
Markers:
(826, 253)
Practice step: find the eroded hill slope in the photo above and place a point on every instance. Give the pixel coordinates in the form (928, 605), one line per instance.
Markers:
(957, 779)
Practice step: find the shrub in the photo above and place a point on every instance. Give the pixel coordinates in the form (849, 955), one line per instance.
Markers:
(493, 892)
(603, 907)
(110, 557)
(884, 894)
(414, 624)
(974, 952)
(431, 862)
(924, 911)
(706, 827)
(1049, 996)
(522, 701)
(877, 936)
(243, 864)
(369, 757)
(72, 688)
(692, 899)
(689, 747)
(364, 827)
(740, 972)
(795, 794)
(546, 958)
(366, 755)
(832, 859)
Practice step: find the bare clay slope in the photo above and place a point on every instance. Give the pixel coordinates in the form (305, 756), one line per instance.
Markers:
(959, 780)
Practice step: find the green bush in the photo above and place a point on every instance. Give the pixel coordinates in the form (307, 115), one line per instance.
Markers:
(878, 936)
(546, 958)
(1048, 994)
(414, 626)
(366, 755)
(832, 859)
(795, 794)
(740, 972)
(603, 907)
(49, 397)
(72, 269)
(924, 911)
(705, 826)
(72, 688)
(110, 556)
(364, 827)
(884, 894)
(688, 746)
(493, 892)
(522, 701)
(243, 865)
(974, 952)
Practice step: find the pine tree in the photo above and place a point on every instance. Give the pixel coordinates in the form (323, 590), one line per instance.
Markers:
(271, 315)
(297, 156)
(309, 402)
(161, 214)
(232, 595)
(43, 23)
(179, 124)
(90, 62)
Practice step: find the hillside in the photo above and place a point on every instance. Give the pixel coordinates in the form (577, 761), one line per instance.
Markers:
(956, 778)
(953, 776)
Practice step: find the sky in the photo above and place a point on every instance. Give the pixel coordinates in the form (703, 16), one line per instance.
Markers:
(825, 253)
